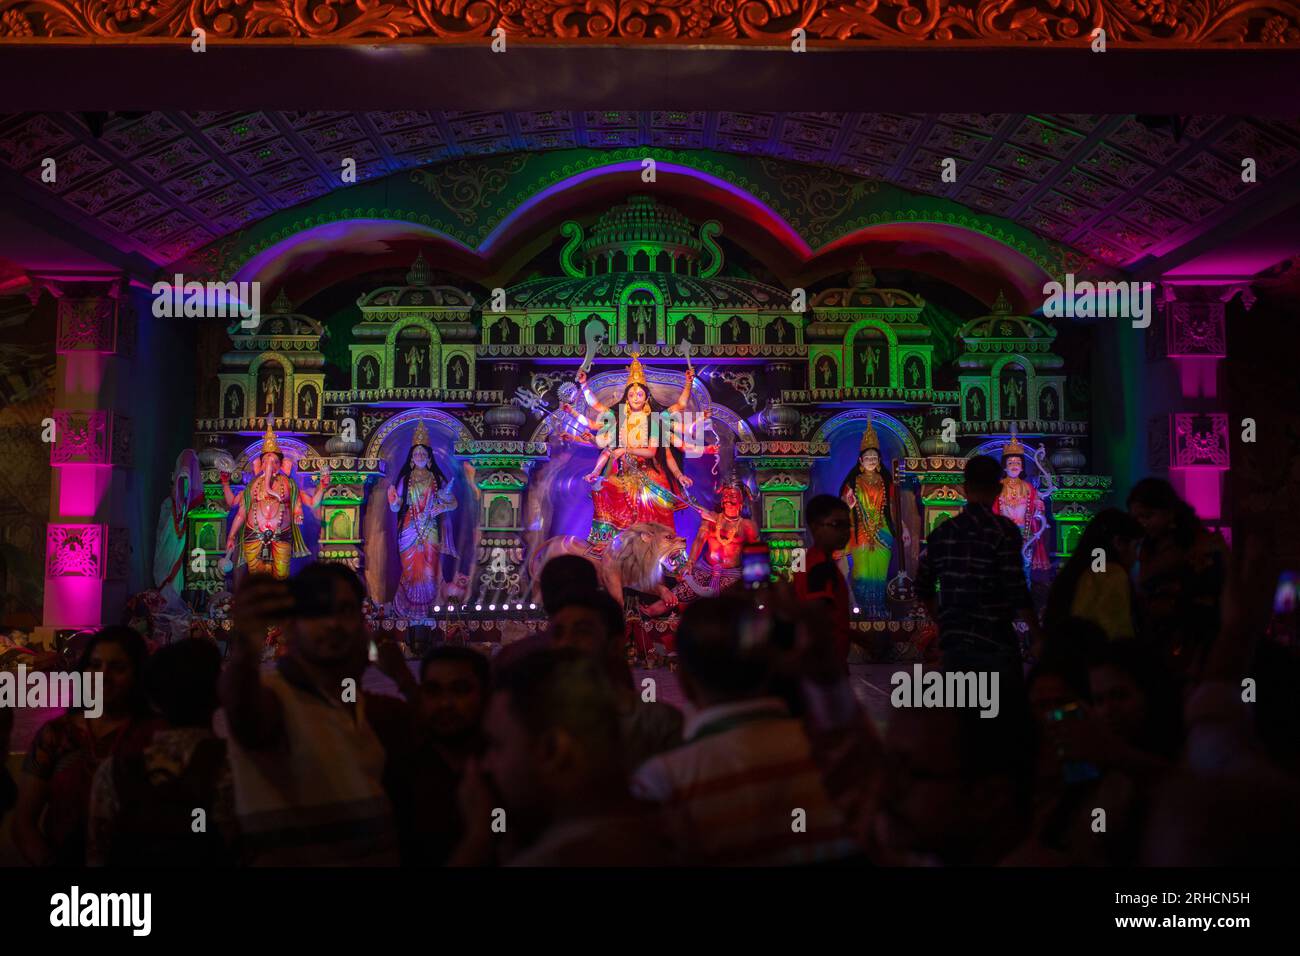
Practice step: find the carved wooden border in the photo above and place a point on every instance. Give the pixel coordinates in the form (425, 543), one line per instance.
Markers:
(1147, 24)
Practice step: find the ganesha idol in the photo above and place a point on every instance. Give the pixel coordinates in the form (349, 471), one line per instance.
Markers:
(265, 532)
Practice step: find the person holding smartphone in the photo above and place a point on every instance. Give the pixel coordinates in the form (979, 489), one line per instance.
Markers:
(307, 763)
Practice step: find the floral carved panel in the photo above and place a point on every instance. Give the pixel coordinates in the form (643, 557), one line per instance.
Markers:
(1196, 328)
(1199, 441)
(1158, 456)
(81, 438)
(74, 550)
(90, 438)
(87, 325)
(117, 559)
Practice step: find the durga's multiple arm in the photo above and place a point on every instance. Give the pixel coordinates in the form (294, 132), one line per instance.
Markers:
(592, 400)
(685, 396)
(587, 422)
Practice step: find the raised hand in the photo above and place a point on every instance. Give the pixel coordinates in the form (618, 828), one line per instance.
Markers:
(477, 804)
(391, 662)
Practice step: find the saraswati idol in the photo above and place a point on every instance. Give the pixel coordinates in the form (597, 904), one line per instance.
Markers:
(423, 501)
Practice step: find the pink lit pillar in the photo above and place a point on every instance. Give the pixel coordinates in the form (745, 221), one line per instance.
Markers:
(85, 559)
(1198, 428)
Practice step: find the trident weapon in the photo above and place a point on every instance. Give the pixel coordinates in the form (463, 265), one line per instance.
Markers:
(530, 401)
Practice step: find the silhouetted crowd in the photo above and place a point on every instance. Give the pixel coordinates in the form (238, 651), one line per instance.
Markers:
(1150, 715)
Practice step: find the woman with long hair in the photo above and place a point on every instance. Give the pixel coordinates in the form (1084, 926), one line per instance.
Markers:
(423, 501)
(867, 491)
(1181, 570)
(51, 817)
(1097, 587)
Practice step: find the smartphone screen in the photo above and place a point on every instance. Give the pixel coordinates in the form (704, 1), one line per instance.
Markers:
(756, 566)
(1286, 603)
(373, 653)
(1284, 597)
(1074, 771)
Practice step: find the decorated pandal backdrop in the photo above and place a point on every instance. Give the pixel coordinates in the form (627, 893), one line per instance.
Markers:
(445, 441)
(423, 396)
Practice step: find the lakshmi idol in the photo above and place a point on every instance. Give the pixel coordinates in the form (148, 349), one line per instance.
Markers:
(867, 492)
(637, 479)
(1020, 502)
(423, 501)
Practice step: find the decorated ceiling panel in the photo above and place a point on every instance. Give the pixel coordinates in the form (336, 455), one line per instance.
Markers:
(1116, 188)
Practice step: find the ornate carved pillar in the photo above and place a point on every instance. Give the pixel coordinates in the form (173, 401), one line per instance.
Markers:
(939, 479)
(87, 540)
(501, 469)
(1074, 502)
(783, 469)
(352, 478)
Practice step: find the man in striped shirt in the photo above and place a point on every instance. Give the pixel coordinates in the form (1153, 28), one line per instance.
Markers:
(743, 789)
(974, 560)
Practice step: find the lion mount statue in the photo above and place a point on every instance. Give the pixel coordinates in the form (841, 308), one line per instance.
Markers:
(640, 557)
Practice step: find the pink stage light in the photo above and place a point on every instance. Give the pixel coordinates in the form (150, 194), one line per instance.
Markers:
(1197, 376)
(73, 602)
(1200, 488)
(83, 489)
(84, 372)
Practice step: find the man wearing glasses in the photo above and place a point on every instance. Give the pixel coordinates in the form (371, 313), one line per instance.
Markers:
(828, 525)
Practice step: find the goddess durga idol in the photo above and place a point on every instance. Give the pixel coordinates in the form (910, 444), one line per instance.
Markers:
(423, 501)
(638, 478)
